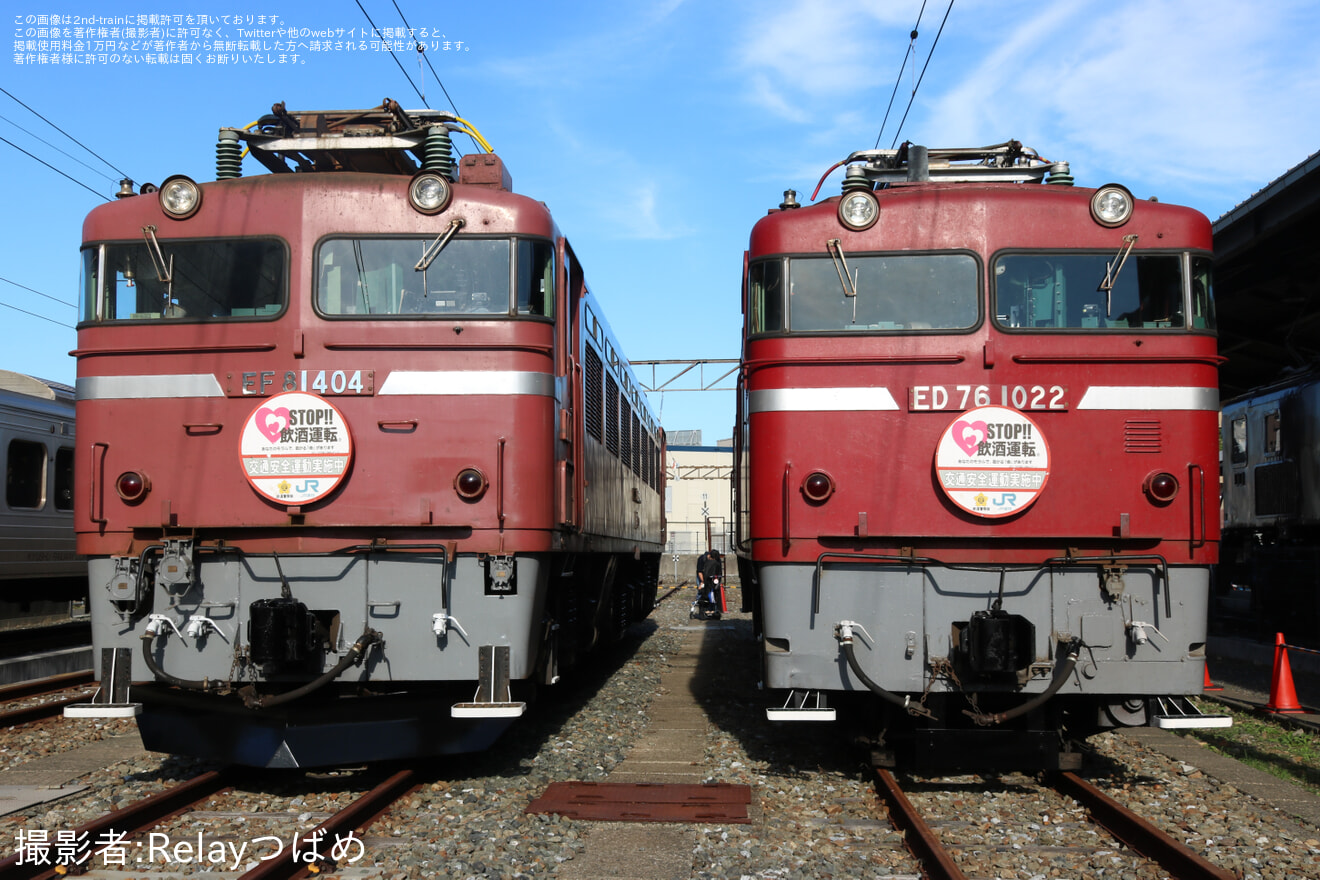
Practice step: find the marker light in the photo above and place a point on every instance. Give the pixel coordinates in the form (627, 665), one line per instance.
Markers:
(859, 210)
(818, 486)
(430, 192)
(1161, 487)
(132, 486)
(1111, 205)
(180, 197)
(470, 484)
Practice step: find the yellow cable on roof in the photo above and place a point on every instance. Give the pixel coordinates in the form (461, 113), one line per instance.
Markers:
(471, 129)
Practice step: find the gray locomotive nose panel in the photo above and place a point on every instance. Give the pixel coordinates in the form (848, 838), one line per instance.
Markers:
(919, 617)
(401, 597)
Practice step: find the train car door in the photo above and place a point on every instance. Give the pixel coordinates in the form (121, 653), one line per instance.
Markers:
(572, 287)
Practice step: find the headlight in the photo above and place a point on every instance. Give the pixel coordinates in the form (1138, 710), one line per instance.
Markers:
(429, 192)
(1111, 205)
(180, 197)
(859, 210)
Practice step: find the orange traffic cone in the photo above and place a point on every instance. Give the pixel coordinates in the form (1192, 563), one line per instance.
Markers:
(1283, 696)
(1210, 685)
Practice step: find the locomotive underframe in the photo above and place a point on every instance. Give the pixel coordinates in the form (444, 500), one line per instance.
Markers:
(913, 616)
(432, 618)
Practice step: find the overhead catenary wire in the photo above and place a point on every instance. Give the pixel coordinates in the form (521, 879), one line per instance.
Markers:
(63, 132)
(53, 168)
(63, 302)
(929, 55)
(911, 50)
(392, 55)
(421, 50)
(35, 315)
(67, 155)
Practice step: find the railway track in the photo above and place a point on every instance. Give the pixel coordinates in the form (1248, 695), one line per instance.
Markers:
(12, 716)
(116, 838)
(936, 851)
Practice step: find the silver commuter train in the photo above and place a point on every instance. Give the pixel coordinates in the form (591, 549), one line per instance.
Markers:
(1270, 553)
(42, 579)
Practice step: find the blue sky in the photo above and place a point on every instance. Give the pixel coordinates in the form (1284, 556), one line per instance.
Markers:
(659, 132)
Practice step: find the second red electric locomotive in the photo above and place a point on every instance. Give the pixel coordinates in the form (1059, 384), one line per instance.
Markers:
(977, 453)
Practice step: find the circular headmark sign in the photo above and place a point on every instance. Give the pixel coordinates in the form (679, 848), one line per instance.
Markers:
(992, 461)
(295, 448)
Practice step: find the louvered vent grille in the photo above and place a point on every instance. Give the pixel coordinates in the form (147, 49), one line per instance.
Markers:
(625, 441)
(1276, 489)
(611, 415)
(591, 406)
(637, 446)
(645, 472)
(1142, 435)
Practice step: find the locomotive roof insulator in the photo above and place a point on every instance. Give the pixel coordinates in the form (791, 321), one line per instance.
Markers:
(228, 155)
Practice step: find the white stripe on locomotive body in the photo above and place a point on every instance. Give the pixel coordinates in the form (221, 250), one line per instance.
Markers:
(148, 387)
(423, 383)
(455, 382)
(1097, 397)
(821, 400)
(1150, 397)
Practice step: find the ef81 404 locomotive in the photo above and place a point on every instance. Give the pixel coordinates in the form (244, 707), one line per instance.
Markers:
(977, 453)
(360, 453)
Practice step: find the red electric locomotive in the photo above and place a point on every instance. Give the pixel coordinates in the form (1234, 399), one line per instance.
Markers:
(359, 452)
(977, 456)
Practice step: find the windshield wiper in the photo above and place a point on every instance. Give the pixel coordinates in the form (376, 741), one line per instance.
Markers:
(438, 245)
(835, 247)
(1111, 271)
(164, 268)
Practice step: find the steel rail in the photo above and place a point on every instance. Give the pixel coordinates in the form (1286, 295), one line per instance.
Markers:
(936, 863)
(38, 711)
(1139, 834)
(49, 685)
(359, 814)
(132, 819)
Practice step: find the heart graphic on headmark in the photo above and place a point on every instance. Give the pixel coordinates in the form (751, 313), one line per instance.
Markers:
(272, 422)
(969, 435)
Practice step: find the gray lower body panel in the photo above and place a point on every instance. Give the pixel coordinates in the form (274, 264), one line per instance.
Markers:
(911, 616)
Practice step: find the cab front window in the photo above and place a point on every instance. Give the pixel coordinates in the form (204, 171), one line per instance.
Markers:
(193, 280)
(430, 278)
(1115, 292)
(888, 292)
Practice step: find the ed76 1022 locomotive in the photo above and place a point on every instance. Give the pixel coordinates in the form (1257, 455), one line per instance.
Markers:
(360, 455)
(977, 452)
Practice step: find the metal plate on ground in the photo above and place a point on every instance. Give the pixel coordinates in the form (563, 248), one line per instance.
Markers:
(646, 802)
(19, 797)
